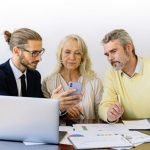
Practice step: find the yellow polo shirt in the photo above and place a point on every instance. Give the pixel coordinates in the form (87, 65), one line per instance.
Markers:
(134, 92)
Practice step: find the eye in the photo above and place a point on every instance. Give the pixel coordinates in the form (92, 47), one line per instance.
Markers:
(114, 51)
(67, 52)
(35, 53)
(77, 53)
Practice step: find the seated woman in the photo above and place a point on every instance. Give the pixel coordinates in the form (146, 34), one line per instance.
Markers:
(74, 65)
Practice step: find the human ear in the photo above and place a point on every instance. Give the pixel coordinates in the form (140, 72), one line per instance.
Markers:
(16, 51)
(129, 48)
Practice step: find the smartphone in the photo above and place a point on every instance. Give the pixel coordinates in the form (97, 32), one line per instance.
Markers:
(75, 85)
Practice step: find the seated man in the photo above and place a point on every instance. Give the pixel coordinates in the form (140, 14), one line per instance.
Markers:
(18, 75)
(127, 87)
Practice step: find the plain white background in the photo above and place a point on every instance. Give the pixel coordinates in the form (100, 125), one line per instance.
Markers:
(91, 19)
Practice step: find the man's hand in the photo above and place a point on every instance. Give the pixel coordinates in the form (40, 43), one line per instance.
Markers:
(65, 100)
(114, 112)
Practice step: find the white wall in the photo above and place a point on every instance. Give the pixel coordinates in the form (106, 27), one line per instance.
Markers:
(91, 19)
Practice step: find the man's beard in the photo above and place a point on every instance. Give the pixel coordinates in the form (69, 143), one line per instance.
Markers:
(118, 66)
(24, 63)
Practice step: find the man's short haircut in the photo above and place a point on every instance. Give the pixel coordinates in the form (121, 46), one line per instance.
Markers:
(121, 35)
(21, 37)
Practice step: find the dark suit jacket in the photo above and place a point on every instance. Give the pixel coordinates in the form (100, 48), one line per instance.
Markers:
(8, 85)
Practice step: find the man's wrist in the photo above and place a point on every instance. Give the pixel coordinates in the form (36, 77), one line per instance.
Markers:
(112, 122)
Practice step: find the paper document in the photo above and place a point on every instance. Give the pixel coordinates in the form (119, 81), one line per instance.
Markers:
(66, 128)
(115, 128)
(137, 124)
(104, 141)
(69, 130)
(136, 137)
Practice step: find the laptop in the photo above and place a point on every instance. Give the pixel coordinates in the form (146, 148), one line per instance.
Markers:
(29, 119)
(9, 145)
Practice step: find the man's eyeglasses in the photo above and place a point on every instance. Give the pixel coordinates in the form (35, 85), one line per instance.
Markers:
(35, 53)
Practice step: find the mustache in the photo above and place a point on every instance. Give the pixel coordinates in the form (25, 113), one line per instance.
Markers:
(112, 62)
(35, 62)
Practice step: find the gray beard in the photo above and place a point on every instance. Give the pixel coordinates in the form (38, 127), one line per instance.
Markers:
(118, 67)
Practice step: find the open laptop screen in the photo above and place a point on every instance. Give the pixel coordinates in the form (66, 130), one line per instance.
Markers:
(29, 119)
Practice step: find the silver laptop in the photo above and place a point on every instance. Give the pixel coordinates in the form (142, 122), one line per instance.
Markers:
(29, 119)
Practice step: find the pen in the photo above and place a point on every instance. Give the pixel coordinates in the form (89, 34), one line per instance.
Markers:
(119, 100)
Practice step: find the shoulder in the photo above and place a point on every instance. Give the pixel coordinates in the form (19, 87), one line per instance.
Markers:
(95, 81)
(51, 77)
(34, 73)
(4, 66)
(145, 65)
(2, 74)
(111, 73)
(49, 84)
(5, 69)
(145, 60)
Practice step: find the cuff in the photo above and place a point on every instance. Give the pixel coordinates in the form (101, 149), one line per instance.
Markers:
(62, 113)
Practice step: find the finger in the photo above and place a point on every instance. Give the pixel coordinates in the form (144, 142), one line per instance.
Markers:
(57, 90)
(117, 108)
(77, 111)
(71, 113)
(73, 97)
(67, 92)
(69, 102)
(112, 111)
(112, 117)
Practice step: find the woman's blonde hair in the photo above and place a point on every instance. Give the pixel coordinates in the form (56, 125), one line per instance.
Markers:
(85, 67)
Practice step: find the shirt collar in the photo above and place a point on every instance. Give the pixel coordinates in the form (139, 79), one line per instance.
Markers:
(16, 71)
(138, 68)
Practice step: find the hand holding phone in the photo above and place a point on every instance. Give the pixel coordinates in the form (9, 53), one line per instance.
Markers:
(74, 85)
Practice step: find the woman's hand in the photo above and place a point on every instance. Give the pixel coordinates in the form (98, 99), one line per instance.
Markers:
(74, 112)
(65, 100)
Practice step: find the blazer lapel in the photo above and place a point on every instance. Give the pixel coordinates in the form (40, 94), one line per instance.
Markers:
(12, 85)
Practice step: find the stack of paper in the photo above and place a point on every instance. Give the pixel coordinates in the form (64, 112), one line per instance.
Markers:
(87, 136)
(137, 124)
(115, 128)
(136, 137)
(104, 141)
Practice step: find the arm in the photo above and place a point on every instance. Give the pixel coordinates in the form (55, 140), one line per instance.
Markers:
(45, 91)
(98, 91)
(109, 109)
(3, 84)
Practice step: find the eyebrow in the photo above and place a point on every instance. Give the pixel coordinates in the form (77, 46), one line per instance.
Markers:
(70, 50)
(110, 51)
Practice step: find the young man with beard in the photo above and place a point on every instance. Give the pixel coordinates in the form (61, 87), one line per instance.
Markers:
(18, 75)
(26, 48)
(126, 87)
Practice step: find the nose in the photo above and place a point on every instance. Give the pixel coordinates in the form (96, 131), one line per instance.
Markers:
(39, 57)
(72, 56)
(110, 57)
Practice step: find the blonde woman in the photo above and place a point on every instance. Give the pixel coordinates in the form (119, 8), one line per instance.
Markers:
(74, 65)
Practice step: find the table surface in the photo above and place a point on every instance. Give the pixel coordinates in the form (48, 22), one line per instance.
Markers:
(7, 145)
(145, 146)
